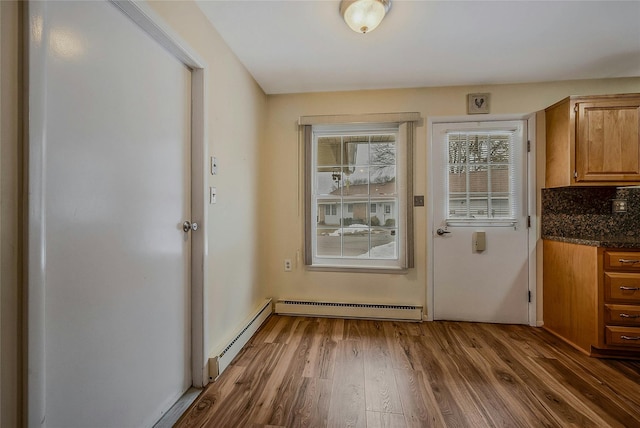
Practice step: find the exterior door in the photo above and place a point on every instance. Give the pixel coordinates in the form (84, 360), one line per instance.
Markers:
(112, 110)
(480, 236)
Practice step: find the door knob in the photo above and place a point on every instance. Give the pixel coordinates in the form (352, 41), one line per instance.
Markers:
(187, 226)
(442, 232)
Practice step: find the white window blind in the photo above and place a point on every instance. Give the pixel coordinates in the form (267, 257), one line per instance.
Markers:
(481, 181)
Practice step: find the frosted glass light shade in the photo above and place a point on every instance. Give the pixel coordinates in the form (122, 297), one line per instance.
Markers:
(363, 16)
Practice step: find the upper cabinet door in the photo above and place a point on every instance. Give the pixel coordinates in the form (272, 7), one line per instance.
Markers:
(593, 141)
(608, 140)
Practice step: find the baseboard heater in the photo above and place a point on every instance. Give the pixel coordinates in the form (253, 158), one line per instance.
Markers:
(349, 310)
(223, 358)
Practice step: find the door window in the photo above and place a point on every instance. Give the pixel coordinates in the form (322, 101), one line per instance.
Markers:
(481, 176)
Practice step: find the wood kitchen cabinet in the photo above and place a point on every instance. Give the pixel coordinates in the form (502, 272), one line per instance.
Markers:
(593, 140)
(592, 298)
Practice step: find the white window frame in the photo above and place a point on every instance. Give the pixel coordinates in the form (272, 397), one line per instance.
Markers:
(402, 123)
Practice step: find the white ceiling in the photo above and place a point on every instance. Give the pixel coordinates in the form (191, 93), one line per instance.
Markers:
(305, 46)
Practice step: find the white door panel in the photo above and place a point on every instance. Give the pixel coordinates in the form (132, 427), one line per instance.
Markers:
(116, 186)
(470, 285)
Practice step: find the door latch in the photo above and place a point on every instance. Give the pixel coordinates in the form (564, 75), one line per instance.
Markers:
(187, 226)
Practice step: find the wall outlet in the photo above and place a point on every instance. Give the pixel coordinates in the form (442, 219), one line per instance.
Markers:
(212, 195)
(287, 265)
(619, 205)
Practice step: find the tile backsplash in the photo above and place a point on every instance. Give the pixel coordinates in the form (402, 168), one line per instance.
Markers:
(586, 212)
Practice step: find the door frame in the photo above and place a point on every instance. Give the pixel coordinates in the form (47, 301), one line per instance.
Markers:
(530, 197)
(150, 22)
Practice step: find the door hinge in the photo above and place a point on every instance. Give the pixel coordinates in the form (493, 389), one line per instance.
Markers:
(575, 174)
(529, 295)
(528, 221)
(528, 146)
(576, 108)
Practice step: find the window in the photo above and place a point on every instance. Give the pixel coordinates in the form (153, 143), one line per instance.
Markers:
(481, 176)
(363, 171)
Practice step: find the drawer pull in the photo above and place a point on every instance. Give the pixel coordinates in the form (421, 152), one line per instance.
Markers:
(632, 262)
(625, 288)
(623, 337)
(629, 316)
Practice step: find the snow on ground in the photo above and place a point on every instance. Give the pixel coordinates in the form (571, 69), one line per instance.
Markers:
(386, 251)
(354, 228)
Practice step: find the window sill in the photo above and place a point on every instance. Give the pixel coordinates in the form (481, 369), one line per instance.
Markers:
(357, 269)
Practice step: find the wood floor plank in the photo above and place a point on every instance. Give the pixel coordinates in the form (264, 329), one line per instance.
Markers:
(564, 407)
(353, 329)
(266, 330)
(282, 405)
(322, 354)
(373, 335)
(419, 405)
(399, 342)
(203, 411)
(385, 420)
(610, 376)
(381, 391)
(615, 413)
(315, 372)
(337, 329)
(267, 405)
(453, 401)
(237, 407)
(310, 407)
(515, 403)
(442, 336)
(413, 328)
(347, 405)
(283, 324)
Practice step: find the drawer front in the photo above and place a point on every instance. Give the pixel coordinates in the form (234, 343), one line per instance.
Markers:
(622, 287)
(622, 314)
(622, 336)
(622, 260)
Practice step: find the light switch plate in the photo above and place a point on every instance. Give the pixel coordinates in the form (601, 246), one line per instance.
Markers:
(214, 165)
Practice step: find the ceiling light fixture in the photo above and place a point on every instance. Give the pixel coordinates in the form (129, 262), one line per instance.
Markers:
(363, 16)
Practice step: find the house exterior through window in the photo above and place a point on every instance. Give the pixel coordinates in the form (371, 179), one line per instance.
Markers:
(356, 197)
(481, 176)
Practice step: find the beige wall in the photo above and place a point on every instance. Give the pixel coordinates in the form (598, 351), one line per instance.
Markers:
(281, 198)
(235, 115)
(10, 214)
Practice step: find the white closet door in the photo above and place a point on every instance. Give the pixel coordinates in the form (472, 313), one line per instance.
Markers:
(115, 147)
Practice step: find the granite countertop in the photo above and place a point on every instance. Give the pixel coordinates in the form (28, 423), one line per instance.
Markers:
(599, 241)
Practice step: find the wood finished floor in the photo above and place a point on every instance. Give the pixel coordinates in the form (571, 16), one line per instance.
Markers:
(316, 372)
